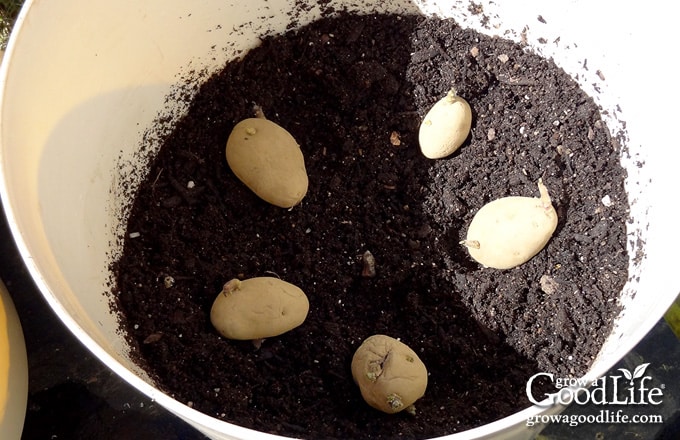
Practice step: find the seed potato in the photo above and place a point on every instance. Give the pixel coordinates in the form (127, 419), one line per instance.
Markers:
(268, 160)
(258, 308)
(509, 231)
(390, 375)
(445, 127)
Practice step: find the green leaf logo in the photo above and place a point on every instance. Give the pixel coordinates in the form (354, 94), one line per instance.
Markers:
(637, 373)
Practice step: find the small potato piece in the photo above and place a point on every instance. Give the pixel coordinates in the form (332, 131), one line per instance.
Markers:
(390, 375)
(445, 127)
(268, 160)
(509, 231)
(258, 308)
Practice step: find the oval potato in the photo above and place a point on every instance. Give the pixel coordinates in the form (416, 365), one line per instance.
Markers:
(509, 231)
(389, 373)
(445, 127)
(268, 160)
(258, 308)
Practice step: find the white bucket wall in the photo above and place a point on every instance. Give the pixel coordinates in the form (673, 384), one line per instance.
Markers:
(82, 81)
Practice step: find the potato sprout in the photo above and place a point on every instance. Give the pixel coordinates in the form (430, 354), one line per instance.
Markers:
(390, 375)
(268, 160)
(509, 231)
(258, 308)
(445, 127)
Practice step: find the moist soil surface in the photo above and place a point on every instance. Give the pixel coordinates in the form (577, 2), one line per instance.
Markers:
(352, 90)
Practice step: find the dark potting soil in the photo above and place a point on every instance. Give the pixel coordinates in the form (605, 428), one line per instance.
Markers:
(352, 90)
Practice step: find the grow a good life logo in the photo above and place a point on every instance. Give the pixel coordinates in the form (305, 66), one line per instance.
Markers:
(628, 388)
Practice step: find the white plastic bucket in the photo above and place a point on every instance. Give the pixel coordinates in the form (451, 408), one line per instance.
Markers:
(82, 81)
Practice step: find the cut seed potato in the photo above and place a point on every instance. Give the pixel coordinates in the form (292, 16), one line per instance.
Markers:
(445, 127)
(258, 308)
(390, 375)
(268, 160)
(509, 231)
